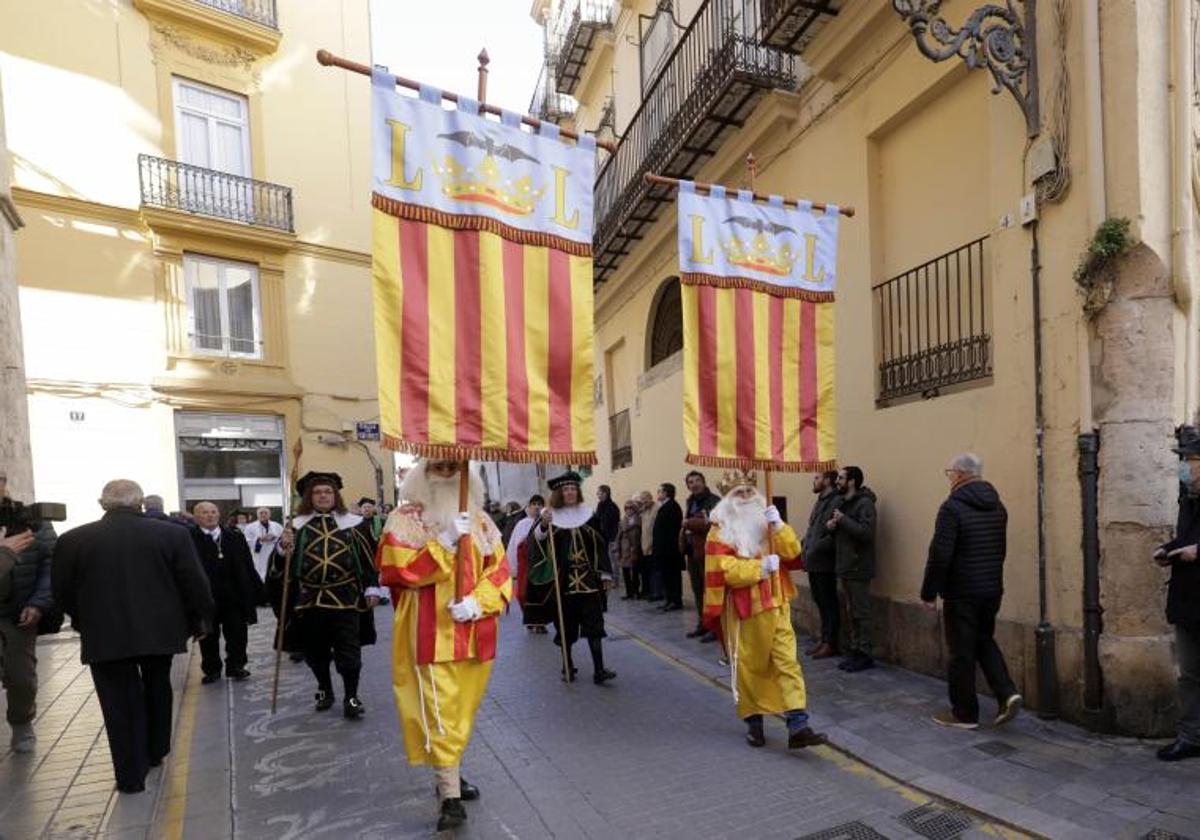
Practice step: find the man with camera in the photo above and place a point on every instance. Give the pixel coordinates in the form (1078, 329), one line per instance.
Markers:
(26, 547)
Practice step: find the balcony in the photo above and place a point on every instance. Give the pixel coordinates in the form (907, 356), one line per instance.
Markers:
(261, 12)
(579, 24)
(548, 104)
(171, 185)
(933, 328)
(709, 85)
(791, 24)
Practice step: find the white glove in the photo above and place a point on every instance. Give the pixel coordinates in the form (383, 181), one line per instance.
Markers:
(772, 514)
(459, 528)
(467, 609)
(770, 564)
(462, 524)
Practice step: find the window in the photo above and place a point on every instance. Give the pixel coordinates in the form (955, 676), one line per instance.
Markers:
(666, 323)
(223, 309)
(236, 461)
(621, 439)
(212, 128)
(657, 41)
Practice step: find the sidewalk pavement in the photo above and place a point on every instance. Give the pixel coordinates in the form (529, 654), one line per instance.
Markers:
(1047, 777)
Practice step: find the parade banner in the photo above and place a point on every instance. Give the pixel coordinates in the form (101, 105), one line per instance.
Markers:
(482, 260)
(758, 288)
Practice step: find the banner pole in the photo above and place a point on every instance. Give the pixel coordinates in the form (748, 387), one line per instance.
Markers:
(701, 186)
(283, 606)
(562, 624)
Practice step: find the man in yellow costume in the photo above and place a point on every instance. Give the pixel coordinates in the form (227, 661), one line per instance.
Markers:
(442, 645)
(747, 597)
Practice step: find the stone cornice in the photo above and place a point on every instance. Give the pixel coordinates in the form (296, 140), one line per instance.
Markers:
(248, 40)
(175, 222)
(332, 253)
(72, 206)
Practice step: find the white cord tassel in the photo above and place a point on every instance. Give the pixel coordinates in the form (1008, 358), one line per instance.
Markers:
(424, 722)
(732, 647)
(437, 710)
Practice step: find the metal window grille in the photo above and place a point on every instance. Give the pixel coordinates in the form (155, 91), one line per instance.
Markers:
(220, 195)
(933, 327)
(259, 11)
(621, 439)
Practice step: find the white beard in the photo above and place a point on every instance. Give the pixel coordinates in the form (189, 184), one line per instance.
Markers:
(743, 524)
(438, 496)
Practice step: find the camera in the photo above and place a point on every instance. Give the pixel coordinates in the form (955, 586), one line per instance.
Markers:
(16, 518)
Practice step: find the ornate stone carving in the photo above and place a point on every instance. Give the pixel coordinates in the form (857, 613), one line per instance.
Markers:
(230, 56)
(995, 36)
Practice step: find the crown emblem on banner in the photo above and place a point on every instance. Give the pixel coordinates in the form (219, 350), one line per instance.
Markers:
(758, 255)
(488, 185)
(737, 478)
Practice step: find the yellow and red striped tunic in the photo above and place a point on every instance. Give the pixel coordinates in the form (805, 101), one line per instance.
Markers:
(728, 575)
(419, 570)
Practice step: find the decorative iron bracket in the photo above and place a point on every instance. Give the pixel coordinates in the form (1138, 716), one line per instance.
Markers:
(995, 36)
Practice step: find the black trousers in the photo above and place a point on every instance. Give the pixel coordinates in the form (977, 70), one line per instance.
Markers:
(696, 577)
(332, 636)
(231, 624)
(824, 588)
(970, 626)
(632, 581)
(135, 698)
(672, 578)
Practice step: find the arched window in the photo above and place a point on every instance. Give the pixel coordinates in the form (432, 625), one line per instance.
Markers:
(666, 323)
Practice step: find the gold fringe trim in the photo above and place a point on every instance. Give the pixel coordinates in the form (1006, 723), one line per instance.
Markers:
(696, 279)
(760, 464)
(455, 221)
(452, 452)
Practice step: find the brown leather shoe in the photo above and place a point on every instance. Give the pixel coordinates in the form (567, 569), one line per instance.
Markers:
(805, 738)
(825, 651)
(811, 649)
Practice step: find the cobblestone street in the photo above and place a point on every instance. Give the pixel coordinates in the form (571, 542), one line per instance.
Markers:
(658, 753)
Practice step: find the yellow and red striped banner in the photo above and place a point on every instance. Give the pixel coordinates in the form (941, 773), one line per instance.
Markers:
(758, 380)
(483, 345)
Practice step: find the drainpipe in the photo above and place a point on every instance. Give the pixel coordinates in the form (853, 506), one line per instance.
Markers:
(1089, 438)
(1047, 669)
(1182, 202)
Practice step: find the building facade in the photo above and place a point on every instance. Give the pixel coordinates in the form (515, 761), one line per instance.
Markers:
(195, 270)
(961, 322)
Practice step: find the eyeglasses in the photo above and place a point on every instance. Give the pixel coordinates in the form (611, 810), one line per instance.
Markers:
(950, 473)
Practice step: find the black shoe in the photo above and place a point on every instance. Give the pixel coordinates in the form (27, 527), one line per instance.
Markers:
(697, 633)
(352, 708)
(467, 791)
(132, 788)
(209, 679)
(672, 607)
(845, 661)
(805, 738)
(1178, 751)
(571, 678)
(453, 814)
(708, 638)
(754, 733)
(324, 700)
(240, 674)
(860, 663)
(601, 677)
(295, 657)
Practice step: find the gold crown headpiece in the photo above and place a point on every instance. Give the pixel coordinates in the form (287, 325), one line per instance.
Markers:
(488, 185)
(737, 478)
(757, 254)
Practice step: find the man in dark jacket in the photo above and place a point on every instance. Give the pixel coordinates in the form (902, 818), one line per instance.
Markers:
(700, 502)
(608, 520)
(966, 570)
(820, 560)
(135, 591)
(852, 524)
(665, 547)
(25, 575)
(1183, 599)
(236, 588)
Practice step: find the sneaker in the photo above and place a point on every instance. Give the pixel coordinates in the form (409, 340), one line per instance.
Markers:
(1008, 710)
(324, 700)
(23, 739)
(805, 737)
(946, 718)
(453, 814)
(353, 708)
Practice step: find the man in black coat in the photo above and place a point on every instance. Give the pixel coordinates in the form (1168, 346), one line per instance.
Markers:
(668, 523)
(820, 560)
(700, 502)
(135, 591)
(236, 588)
(966, 570)
(1183, 599)
(852, 524)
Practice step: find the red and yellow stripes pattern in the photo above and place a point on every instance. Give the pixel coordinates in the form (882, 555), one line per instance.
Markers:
(726, 574)
(483, 346)
(758, 386)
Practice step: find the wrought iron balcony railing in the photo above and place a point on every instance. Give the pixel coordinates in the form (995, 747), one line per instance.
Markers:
(259, 11)
(791, 24)
(547, 103)
(933, 325)
(620, 438)
(579, 24)
(206, 192)
(709, 85)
